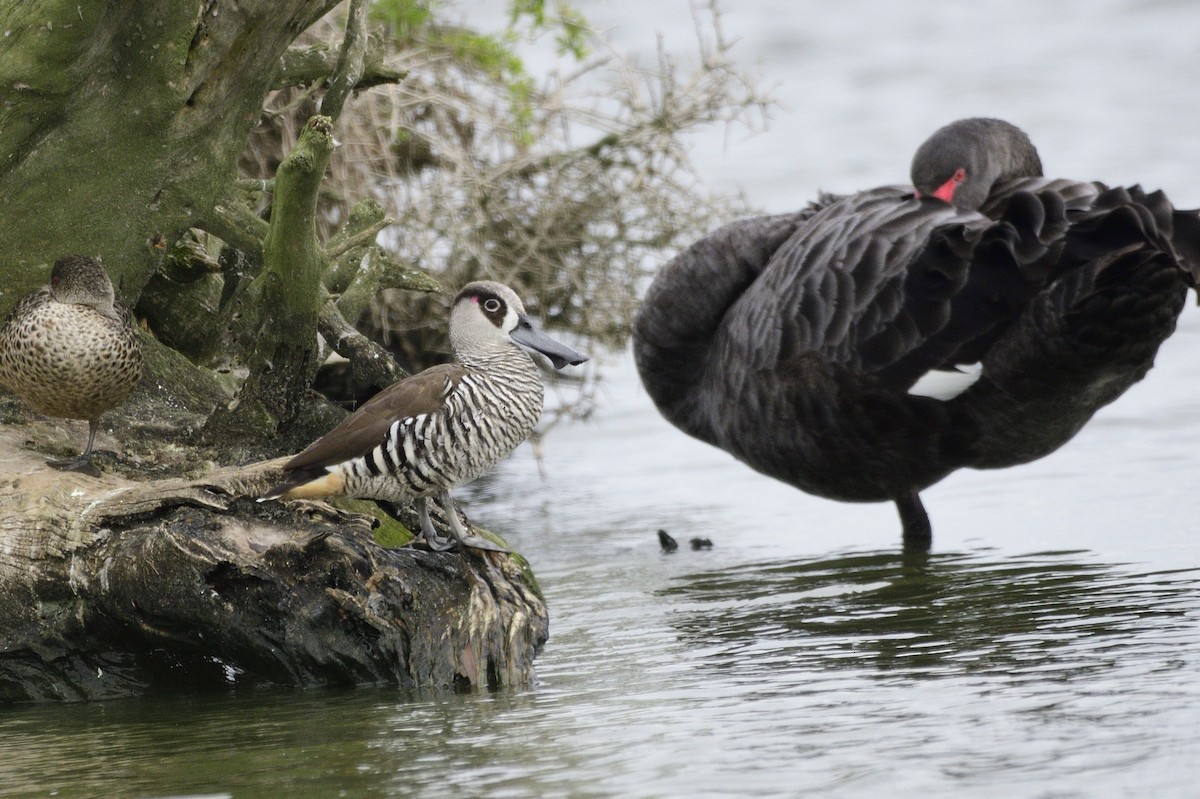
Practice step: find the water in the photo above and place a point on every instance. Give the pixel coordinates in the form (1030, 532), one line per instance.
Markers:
(1049, 646)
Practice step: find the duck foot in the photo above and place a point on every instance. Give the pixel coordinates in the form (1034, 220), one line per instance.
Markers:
(479, 542)
(83, 464)
(429, 535)
(438, 543)
(465, 538)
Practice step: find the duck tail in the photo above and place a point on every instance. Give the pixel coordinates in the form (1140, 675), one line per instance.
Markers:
(312, 483)
(1185, 237)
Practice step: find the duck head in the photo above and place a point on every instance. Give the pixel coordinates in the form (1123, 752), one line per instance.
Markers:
(488, 316)
(80, 280)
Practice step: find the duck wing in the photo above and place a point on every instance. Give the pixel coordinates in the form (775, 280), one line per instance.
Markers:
(421, 394)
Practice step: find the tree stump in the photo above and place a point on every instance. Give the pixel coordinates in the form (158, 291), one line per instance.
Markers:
(114, 587)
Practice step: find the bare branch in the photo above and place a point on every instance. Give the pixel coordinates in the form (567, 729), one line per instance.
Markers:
(233, 221)
(358, 239)
(306, 66)
(349, 69)
(370, 364)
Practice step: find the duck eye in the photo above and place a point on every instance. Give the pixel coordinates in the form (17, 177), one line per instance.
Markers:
(492, 305)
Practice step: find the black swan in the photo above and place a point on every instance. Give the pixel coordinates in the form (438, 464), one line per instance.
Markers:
(868, 345)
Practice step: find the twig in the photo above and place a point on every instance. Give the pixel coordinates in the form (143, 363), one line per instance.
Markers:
(349, 68)
(365, 236)
(370, 364)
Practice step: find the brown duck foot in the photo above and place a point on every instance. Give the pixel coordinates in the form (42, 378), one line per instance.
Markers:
(83, 464)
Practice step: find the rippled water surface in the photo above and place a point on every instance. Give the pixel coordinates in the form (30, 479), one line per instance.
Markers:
(854, 673)
(1049, 646)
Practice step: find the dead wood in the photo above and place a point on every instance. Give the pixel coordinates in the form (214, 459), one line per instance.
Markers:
(113, 587)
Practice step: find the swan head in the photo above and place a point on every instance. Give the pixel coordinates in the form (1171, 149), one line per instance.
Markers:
(961, 162)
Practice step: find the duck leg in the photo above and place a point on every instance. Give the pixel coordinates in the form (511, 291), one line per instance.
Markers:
(465, 538)
(436, 542)
(83, 464)
(917, 532)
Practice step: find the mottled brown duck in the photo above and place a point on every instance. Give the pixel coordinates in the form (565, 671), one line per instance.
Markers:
(69, 350)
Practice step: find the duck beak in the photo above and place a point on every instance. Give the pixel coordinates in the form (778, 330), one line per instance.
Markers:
(527, 335)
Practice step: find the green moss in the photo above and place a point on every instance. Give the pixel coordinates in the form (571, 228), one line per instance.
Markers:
(389, 534)
(175, 379)
(528, 576)
(392, 534)
(526, 569)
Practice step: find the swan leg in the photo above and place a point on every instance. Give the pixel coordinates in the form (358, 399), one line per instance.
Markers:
(917, 532)
(460, 533)
(436, 542)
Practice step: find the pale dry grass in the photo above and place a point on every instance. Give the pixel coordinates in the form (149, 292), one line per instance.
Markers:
(570, 208)
(573, 204)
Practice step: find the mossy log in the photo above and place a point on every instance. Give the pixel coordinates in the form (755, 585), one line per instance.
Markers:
(114, 587)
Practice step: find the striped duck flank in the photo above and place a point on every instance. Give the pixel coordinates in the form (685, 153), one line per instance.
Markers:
(69, 350)
(443, 427)
(867, 346)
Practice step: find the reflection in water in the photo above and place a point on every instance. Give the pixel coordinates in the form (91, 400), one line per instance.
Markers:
(921, 615)
(858, 675)
(303, 743)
